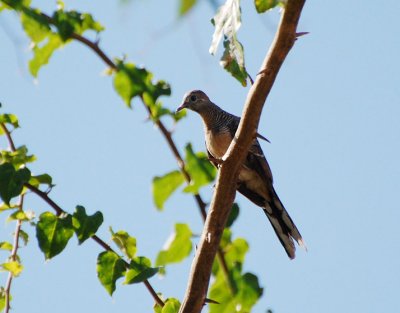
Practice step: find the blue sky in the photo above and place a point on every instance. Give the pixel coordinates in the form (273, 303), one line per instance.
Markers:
(332, 118)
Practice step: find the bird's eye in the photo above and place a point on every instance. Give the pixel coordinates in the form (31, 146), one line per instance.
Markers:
(193, 98)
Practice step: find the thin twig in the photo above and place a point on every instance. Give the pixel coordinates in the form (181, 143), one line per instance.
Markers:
(95, 238)
(59, 211)
(8, 135)
(225, 189)
(13, 257)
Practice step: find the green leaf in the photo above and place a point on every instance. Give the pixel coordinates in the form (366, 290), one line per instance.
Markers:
(69, 22)
(12, 181)
(21, 216)
(42, 179)
(5, 245)
(18, 157)
(172, 305)
(139, 270)
(265, 5)
(164, 186)
(233, 215)
(85, 226)
(248, 293)
(110, 267)
(2, 292)
(130, 81)
(232, 60)
(178, 246)
(43, 53)
(125, 242)
(53, 233)
(24, 236)
(14, 267)
(235, 252)
(200, 169)
(227, 22)
(185, 6)
(9, 119)
(35, 25)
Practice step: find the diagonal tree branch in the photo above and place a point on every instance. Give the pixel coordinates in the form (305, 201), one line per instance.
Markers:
(226, 187)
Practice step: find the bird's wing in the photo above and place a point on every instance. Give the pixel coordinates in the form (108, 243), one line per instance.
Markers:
(256, 161)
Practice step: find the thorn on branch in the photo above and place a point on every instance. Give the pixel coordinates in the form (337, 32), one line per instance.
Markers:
(299, 34)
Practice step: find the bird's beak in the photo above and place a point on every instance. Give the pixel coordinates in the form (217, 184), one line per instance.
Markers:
(181, 107)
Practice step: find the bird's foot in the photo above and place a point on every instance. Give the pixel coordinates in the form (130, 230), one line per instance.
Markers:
(214, 160)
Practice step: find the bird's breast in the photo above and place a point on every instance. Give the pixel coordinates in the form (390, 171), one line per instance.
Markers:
(218, 142)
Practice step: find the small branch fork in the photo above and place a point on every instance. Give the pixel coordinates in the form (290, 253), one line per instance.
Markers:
(59, 211)
(225, 190)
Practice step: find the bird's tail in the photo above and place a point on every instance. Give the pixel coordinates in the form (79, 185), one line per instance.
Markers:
(283, 225)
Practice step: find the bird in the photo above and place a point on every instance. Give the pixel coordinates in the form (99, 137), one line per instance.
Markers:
(255, 178)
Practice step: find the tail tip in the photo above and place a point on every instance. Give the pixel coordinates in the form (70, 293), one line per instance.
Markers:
(302, 244)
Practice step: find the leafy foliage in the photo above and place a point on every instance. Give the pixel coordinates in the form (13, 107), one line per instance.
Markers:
(131, 81)
(265, 5)
(164, 186)
(172, 305)
(227, 22)
(200, 169)
(178, 247)
(110, 267)
(248, 290)
(12, 181)
(125, 242)
(53, 233)
(185, 6)
(85, 226)
(139, 270)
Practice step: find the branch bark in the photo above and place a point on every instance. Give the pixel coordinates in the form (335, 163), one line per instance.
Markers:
(226, 181)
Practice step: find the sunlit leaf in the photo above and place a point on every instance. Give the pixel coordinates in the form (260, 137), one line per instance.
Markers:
(265, 5)
(68, 22)
(125, 242)
(177, 248)
(139, 270)
(227, 22)
(172, 305)
(9, 119)
(201, 171)
(18, 157)
(85, 226)
(110, 267)
(164, 186)
(5, 245)
(233, 60)
(53, 233)
(185, 6)
(14, 267)
(43, 53)
(42, 179)
(130, 81)
(21, 215)
(35, 25)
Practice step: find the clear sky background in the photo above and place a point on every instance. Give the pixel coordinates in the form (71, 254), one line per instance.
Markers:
(332, 117)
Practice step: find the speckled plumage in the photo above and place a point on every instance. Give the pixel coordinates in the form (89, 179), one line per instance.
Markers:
(255, 177)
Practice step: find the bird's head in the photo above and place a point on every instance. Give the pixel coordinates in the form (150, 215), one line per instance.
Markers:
(195, 100)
